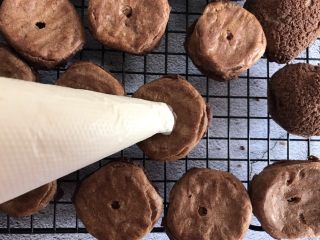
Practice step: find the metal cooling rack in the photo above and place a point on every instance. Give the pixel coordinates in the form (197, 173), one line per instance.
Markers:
(242, 139)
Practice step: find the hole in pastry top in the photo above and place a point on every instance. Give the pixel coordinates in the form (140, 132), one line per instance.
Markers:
(290, 180)
(115, 205)
(229, 35)
(302, 218)
(127, 11)
(40, 25)
(294, 199)
(202, 211)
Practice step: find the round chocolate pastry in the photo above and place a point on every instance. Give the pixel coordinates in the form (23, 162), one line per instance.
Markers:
(290, 25)
(31, 202)
(286, 197)
(294, 99)
(13, 67)
(89, 76)
(208, 204)
(118, 202)
(192, 117)
(45, 32)
(135, 26)
(225, 41)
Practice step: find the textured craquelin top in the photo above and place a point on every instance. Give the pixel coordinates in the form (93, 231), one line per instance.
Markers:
(290, 25)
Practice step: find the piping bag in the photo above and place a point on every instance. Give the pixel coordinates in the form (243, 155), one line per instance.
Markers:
(47, 131)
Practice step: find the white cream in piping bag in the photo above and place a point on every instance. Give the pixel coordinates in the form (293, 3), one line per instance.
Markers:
(47, 131)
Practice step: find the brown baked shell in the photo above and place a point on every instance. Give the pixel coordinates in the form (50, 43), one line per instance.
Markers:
(290, 25)
(13, 67)
(293, 99)
(208, 204)
(131, 26)
(225, 41)
(89, 76)
(286, 198)
(118, 202)
(46, 32)
(192, 117)
(31, 202)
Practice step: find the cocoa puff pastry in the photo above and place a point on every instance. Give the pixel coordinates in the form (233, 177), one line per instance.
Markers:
(118, 202)
(192, 117)
(45, 32)
(89, 76)
(13, 67)
(225, 41)
(133, 26)
(31, 202)
(290, 25)
(294, 99)
(208, 204)
(286, 197)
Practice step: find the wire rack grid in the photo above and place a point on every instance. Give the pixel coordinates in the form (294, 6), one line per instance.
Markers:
(242, 139)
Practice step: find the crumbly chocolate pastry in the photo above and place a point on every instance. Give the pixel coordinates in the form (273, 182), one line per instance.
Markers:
(13, 67)
(118, 202)
(286, 197)
(89, 76)
(225, 41)
(290, 25)
(45, 32)
(192, 117)
(31, 202)
(293, 99)
(134, 26)
(208, 204)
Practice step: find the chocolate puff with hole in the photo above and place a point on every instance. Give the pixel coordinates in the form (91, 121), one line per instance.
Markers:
(208, 204)
(135, 26)
(118, 202)
(193, 117)
(225, 41)
(286, 197)
(46, 33)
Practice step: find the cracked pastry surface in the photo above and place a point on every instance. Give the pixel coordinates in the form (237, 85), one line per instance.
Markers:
(293, 99)
(290, 25)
